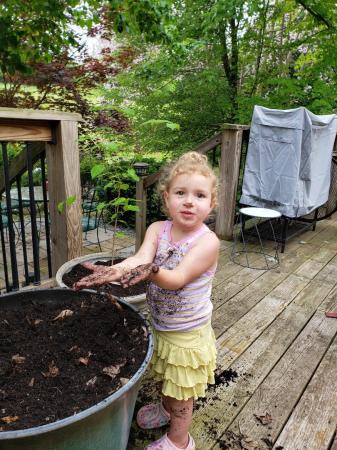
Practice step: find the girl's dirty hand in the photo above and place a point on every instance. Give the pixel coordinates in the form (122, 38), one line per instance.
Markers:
(138, 274)
(102, 275)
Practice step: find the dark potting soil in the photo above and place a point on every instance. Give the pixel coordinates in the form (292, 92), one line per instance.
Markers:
(79, 271)
(225, 377)
(52, 367)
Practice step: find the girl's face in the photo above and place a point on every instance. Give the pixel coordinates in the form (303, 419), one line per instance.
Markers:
(189, 200)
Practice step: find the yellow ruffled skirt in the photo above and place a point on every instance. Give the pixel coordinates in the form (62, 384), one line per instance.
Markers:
(184, 361)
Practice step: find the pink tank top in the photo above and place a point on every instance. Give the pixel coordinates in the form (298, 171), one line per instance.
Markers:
(186, 308)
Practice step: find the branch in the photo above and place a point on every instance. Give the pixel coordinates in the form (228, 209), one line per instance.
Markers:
(316, 14)
(44, 96)
(260, 47)
(225, 57)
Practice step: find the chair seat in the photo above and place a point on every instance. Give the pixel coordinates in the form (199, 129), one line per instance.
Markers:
(4, 221)
(87, 205)
(89, 223)
(15, 205)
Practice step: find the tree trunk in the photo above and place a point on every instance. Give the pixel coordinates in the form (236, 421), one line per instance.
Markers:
(230, 62)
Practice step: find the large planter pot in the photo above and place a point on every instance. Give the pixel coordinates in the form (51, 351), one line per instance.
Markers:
(138, 301)
(104, 426)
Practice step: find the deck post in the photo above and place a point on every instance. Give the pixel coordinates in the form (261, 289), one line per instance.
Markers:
(64, 182)
(231, 141)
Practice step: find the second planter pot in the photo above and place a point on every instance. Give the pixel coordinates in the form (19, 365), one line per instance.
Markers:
(138, 301)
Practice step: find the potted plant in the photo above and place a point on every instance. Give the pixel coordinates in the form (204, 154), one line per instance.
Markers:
(117, 204)
(70, 371)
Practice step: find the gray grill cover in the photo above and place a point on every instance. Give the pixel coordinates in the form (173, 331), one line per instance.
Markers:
(288, 161)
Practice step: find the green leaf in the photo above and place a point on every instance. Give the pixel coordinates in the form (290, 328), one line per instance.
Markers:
(131, 208)
(101, 206)
(60, 207)
(132, 174)
(119, 234)
(120, 201)
(70, 200)
(97, 170)
(173, 126)
(123, 186)
(126, 111)
(167, 123)
(112, 147)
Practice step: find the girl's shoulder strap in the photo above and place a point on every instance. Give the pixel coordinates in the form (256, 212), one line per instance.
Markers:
(165, 227)
(202, 230)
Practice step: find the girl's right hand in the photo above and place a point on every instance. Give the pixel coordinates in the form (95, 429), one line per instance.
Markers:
(101, 275)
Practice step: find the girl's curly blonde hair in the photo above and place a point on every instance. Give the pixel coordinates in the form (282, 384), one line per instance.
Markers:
(188, 163)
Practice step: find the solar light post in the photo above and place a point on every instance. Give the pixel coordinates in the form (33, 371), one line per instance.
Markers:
(141, 168)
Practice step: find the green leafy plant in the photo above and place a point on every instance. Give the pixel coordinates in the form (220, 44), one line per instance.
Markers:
(115, 183)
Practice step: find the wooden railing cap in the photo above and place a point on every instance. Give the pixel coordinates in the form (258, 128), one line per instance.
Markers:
(234, 126)
(38, 114)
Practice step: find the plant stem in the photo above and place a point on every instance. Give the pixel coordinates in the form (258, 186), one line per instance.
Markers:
(114, 231)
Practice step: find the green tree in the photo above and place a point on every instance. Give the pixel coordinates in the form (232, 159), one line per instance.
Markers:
(220, 57)
(36, 33)
(38, 30)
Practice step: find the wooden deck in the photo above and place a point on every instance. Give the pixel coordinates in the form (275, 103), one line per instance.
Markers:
(273, 334)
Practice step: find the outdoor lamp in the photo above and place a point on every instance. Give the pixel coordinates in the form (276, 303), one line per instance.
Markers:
(141, 168)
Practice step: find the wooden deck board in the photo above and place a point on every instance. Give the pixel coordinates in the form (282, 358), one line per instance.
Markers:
(283, 387)
(304, 310)
(253, 366)
(314, 420)
(228, 312)
(272, 332)
(243, 333)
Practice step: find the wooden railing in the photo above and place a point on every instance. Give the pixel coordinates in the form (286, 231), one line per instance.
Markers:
(56, 133)
(230, 141)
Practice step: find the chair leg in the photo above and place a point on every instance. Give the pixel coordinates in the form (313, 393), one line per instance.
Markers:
(98, 241)
(284, 234)
(315, 220)
(98, 222)
(102, 217)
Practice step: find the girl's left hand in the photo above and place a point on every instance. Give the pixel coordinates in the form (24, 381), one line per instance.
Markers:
(138, 274)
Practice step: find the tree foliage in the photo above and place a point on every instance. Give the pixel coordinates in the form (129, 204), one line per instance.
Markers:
(37, 30)
(194, 63)
(221, 57)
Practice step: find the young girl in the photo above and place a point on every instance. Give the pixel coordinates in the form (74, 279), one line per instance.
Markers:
(179, 258)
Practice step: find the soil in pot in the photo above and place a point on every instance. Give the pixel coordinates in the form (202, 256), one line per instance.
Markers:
(57, 359)
(79, 271)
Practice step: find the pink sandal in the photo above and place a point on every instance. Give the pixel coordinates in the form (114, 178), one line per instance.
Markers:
(153, 415)
(164, 443)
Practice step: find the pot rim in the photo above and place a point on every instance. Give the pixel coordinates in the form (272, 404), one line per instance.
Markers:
(41, 429)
